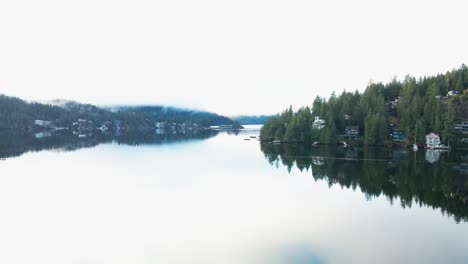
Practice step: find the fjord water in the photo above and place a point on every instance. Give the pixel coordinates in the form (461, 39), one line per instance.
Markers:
(222, 199)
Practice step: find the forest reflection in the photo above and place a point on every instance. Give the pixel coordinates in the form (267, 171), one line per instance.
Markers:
(14, 144)
(435, 179)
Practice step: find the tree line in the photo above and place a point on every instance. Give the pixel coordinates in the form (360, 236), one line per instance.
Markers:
(18, 114)
(414, 106)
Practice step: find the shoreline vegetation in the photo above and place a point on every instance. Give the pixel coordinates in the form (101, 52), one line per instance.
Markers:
(84, 119)
(399, 113)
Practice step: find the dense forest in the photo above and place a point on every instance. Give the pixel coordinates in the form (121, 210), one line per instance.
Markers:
(18, 114)
(415, 107)
(178, 115)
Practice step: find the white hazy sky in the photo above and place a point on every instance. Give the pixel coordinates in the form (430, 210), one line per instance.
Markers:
(231, 57)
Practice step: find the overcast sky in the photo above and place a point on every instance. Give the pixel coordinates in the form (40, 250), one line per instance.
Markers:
(230, 57)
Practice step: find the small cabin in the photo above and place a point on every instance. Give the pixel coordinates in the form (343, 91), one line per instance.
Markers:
(433, 140)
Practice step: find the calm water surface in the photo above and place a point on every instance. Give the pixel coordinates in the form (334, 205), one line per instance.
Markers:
(218, 198)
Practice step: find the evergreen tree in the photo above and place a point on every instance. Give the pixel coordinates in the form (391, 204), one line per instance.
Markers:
(419, 133)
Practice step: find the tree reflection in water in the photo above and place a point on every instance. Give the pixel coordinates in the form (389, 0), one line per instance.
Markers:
(397, 173)
(14, 144)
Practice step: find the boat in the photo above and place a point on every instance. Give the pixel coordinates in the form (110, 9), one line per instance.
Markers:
(277, 141)
(415, 147)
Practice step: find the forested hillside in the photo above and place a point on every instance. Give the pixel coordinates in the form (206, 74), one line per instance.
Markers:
(414, 106)
(19, 114)
(178, 115)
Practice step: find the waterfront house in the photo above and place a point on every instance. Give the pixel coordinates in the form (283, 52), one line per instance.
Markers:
(318, 123)
(352, 131)
(43, 123)
(433, 141)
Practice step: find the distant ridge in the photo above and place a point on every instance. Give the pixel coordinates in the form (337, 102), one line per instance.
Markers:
(16, 113)
(251, 119)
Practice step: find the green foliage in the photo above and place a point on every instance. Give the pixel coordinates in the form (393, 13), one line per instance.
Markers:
(275, 127)
(416, 106)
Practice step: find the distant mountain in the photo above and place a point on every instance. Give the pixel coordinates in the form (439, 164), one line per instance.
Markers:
(16, 113)
(251, 120)
(179, 115)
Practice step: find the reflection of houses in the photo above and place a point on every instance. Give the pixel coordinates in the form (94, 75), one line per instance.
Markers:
(318, 123)
(462, 168)
(183, 128)
(160, 128)
(432, 155)
(352, 153)
(319, 161)
(352, 131)
(83, 125)
(399, 154)
(432, 141)
(43, 134)
(398, 135)
(160, 125)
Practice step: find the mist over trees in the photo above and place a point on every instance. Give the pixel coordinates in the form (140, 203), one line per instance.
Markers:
(415, 106)
(16, 113)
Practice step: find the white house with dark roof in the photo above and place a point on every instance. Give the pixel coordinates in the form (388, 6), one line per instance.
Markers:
(433, 141)
(318, 123)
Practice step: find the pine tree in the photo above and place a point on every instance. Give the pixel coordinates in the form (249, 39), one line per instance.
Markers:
(419, 133)
(449, 121)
